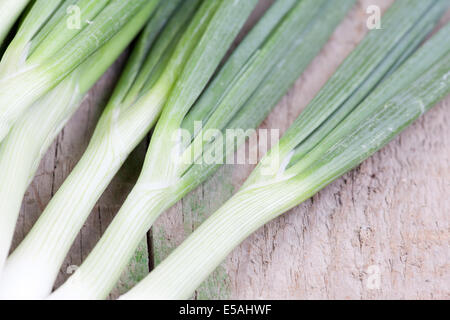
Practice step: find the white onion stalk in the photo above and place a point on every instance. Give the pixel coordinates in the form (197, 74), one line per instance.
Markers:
(402, 97)
(10, 11)
(255, 77)
(133, 109)
(47, 48)
(29, 139)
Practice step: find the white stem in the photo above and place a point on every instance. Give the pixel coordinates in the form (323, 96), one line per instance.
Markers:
(23, 148)
(99, 273)
(189, 265)
(47, 244)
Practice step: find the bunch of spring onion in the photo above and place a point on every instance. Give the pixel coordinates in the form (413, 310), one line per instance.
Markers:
(190, 46)
(30, 137)
(339, 129)
(49, 45)
(10, 11)
(248, 86)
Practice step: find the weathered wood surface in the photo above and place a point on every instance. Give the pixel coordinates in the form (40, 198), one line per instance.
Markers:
(381, 231)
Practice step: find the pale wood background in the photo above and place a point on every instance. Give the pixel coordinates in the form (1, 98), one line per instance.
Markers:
(388, 220)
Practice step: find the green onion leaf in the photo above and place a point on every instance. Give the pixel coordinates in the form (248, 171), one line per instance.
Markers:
(10, 11)
(28, 71)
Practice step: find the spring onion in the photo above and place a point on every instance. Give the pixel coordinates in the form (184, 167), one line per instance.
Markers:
(255, 77)
(404, 95)
(26, 143)
(133, 109)
(47, 48)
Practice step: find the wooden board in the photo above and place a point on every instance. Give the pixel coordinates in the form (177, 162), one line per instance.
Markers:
(381, 231)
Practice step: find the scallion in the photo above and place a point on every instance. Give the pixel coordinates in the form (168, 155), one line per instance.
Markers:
(258, 73)
(282, 181)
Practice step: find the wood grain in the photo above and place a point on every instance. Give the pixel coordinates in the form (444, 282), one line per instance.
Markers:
(381, 231)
